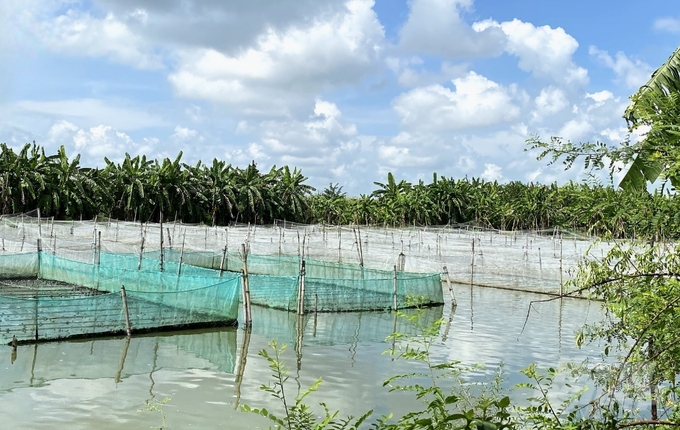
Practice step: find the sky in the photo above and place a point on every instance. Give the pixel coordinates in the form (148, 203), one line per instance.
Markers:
(346, 90)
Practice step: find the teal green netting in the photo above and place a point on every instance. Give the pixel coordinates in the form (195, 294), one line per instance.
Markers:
(24, 265)
(155, 299)
(274, 279)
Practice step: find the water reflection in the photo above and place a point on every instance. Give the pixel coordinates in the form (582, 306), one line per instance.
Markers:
(208, 374)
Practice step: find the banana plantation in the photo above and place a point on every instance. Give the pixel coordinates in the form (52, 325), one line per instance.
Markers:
(140, 189)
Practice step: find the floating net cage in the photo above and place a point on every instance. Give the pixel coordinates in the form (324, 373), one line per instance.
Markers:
(63, 279)
(47, 297)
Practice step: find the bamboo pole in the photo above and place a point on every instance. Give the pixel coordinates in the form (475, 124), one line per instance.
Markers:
(394, 293)
(160, 261)
(361, 251)
(224, 258)
(448, 284)
(301, 290)
(246, 288)
(181, 254)
(472, 263)
(128, 328)
(141, 254)
(39, 225)
(561, 282)
(99, 247)
(339, 244)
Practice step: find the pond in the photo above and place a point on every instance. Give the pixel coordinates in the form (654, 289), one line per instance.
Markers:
(204, 375)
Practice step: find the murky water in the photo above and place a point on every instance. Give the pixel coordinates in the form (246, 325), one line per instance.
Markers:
(204, 376)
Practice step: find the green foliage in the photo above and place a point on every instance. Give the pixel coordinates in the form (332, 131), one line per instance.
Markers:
(219, 194)
(299, 415)
(656, 105)
(464, 405)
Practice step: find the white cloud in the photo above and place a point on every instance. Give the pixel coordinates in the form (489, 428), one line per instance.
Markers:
(96, 142)
(476, 102)
(411, 71)
(80, 34)
(436, 27)
(93, 112)
(632, 73)
(492, 172)
(285, 67)
(575, 129)
(184, 133)
(543, 51)
(323, 141)
(669, 24)
(465, 164)
(600, 96)
(550, 101)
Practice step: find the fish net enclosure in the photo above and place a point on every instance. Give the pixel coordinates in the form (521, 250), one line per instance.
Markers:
(289, 266)
(46, 297)
(274, 268)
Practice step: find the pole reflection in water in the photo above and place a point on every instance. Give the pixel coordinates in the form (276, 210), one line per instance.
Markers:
(243, 358)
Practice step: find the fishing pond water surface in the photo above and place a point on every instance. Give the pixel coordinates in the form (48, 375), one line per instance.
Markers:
(198, 379)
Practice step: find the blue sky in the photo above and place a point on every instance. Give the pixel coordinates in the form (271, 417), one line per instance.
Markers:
(347, 90)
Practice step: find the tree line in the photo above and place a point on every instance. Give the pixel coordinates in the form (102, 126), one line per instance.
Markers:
(219, 194)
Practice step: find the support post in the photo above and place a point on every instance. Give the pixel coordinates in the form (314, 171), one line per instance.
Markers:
(224, 258)
(448, 284)
(128, 328)
(39, 225)
(361, 251)
(99, 247)
(561, 281)
(394, 293)
(472, 263)
(160, 262)
(181, 255)
(141, 254)
(246, 288)
(301, 290)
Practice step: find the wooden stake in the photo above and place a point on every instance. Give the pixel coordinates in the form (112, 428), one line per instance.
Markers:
(394, 292)
(181, 254)
(39, 225)
(361, 252)
(128, 328)
(141, 254)
(99, 247)
(246, 288)
(224, 258)
(472, 263)
(301, 290)
(448, 283)
(161, 254)
(561, 283)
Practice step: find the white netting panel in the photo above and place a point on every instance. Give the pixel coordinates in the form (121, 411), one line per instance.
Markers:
(533, 260)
